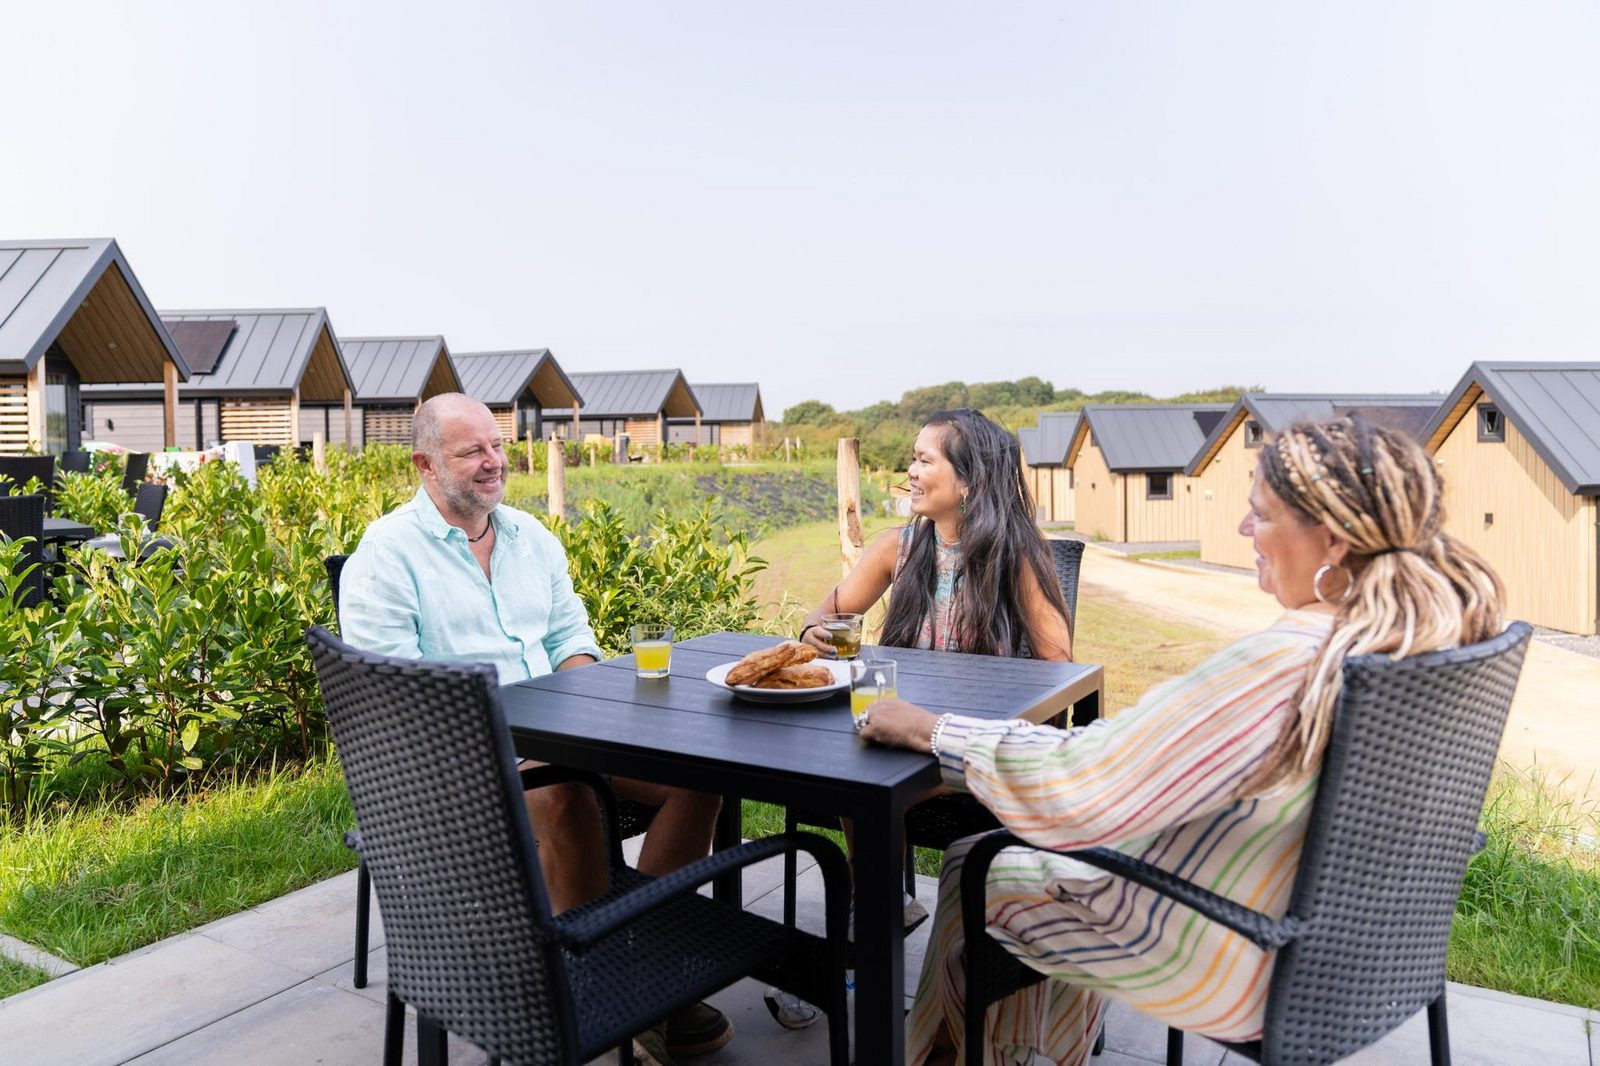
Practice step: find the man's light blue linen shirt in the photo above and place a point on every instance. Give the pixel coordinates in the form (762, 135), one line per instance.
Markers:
(412, 589)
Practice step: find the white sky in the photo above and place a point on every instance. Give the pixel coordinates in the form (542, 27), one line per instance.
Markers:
(843, 200)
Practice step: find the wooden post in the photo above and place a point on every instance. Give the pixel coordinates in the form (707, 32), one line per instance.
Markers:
(169, 403)
(38, 415)
(849, 481)
(556, 477)
(294, 420)
(786, 449)
(319, 452)
(530, 451)
(349, 436)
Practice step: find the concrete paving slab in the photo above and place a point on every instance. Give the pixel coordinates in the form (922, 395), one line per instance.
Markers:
(309, 930)
(136, 1003)
(1144, 1039)
(343, 976)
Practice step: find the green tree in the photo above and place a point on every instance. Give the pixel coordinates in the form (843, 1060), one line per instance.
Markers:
(810, 412)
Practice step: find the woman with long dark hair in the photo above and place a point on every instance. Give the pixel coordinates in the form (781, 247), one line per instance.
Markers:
(970, 572)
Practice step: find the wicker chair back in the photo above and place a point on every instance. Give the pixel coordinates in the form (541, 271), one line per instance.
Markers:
(1068, 558)
(149, 502)
(453, 861)
(23, 516)
(1394, 824)
(137, 465)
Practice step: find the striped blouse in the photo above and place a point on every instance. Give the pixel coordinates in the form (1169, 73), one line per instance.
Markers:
(1160, 780)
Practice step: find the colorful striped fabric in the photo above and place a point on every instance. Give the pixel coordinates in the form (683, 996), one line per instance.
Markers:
(1160, 780)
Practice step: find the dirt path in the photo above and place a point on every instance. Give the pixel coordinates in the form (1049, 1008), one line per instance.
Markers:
(1555, 718)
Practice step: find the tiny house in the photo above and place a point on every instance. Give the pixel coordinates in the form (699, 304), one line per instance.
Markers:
(73, 314)
(392, 376)
(1128, 466)
(517, 386)
(637, 403)
(1224, 468)
(730, 414)
(1518, 445)
(1044, 464)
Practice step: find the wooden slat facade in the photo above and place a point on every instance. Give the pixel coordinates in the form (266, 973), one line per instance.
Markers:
(138, 424)
(386, 425)
(329, 421)
(1098, 496)
(1115, 507)
(643, 431)
(14, 429)
(1224, 489)
(1052, 490)
(1541, 538)
(505, 419)
(260, 421)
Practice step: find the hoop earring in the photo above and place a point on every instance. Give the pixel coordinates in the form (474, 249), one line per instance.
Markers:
(1322, 572)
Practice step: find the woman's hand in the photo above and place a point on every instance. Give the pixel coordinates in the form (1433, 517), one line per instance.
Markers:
(899, 724)
(817, 637)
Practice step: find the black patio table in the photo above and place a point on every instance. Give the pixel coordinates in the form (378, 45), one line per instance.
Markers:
(682, 730)
(61, 530)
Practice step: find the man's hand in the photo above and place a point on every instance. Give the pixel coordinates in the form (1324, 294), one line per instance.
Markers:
(899, 724)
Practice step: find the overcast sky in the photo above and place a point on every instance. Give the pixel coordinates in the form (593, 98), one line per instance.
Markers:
(845, 200)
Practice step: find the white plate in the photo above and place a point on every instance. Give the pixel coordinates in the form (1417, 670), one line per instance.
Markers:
(718, 675)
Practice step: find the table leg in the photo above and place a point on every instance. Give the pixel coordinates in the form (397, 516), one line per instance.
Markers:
(880, 844)
(1087, 709)
(729, 888)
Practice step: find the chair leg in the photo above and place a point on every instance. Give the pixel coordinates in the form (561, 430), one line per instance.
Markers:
(363, 919)
(1439, 1032)
(431, 1050)
(1174, 1047)
(1099, 1040)
(625, 1053)
(911, 870)
(394, 1031)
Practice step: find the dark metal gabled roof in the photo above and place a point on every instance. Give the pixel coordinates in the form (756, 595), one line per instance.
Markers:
(1136, 437)
(395, 369)
(1277, 410)
(43, 284)
(1050, 439)
(499, 379)
(727, 403)
(632, 394)
(1555, 405)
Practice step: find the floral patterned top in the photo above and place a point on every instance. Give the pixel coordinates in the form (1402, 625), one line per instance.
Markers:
(938, 631)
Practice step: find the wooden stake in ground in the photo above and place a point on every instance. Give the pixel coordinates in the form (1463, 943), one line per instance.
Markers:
(849, 480)
(530, 451)
(556, 474)
(319, 452)
(786, 449)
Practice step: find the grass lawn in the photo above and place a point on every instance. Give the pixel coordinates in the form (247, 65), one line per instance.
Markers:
(96, 882)
(15, 977)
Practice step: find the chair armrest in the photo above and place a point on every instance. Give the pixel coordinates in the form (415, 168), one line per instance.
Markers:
(1267, 933)
(585, 929)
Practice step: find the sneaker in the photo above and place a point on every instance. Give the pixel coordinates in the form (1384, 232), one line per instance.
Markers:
(790, 1011)
(697, 1030)
(650, 1048)
(912, 914)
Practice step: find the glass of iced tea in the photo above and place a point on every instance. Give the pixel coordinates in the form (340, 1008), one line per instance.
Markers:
(871, 680)
(844, 633)
(652, 650)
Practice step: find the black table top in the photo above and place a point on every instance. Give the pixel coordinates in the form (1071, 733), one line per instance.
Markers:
(678, 729)
(64, 529)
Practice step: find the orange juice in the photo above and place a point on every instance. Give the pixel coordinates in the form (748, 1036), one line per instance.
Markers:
(862, 698)
(653, 657)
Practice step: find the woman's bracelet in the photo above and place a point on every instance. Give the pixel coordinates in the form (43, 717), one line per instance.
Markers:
(938, 731)
(806, 629)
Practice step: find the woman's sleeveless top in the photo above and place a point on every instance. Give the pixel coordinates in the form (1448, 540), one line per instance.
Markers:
(939, 630)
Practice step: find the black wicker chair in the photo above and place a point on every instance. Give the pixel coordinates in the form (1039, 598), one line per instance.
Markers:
(472, 944)
(23, 516)
(17, 470)
(938, 822)
(149, 501)
(1362, 947)
(75, 462)
(631, 820)
(136, 465)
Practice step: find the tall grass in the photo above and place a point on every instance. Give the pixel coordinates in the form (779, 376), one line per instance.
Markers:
(1529, 917)
(15, 977)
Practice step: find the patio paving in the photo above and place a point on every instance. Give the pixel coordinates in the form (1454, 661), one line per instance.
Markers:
(272, 985)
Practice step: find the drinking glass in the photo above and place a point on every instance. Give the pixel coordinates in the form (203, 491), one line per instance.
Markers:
(871, 680)
(652, 650)
(844, 633)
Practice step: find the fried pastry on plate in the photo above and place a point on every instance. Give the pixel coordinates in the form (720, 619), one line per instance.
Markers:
(804, 675)
(759, 664)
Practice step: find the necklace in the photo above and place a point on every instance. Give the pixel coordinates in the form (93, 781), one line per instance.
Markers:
(488, 524)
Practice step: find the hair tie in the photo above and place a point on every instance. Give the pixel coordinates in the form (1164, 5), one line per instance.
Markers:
(1389, 551)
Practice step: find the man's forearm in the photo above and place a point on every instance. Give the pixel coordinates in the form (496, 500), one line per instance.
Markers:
(573, 661)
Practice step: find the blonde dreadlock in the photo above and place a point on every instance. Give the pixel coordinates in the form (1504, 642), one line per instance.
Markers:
(1414, 588)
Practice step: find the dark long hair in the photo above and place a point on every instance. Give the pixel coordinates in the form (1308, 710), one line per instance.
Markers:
(999, 542)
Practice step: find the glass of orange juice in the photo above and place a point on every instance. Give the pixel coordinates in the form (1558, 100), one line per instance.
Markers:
(652, 650)
(871, 680)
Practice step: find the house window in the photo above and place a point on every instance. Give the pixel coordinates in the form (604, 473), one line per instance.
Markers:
(1158, 486)
(1491, 423)
(1253, 434)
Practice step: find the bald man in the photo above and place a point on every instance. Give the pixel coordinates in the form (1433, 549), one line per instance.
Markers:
(456, 575)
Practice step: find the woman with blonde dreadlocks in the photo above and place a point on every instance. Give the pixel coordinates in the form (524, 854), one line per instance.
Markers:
(1210, 775)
